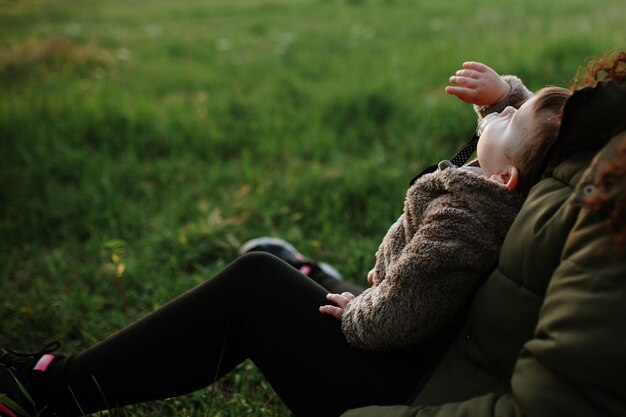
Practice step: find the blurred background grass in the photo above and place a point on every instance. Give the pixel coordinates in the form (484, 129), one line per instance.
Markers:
(143, 141)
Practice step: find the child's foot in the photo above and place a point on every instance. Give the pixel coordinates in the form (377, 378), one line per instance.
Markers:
(19, 374)
(288, 253)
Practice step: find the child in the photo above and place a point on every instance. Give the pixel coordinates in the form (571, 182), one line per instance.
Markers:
(455, 219)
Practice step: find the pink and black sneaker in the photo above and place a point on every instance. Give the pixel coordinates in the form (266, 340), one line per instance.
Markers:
(288, 253)
(19, 374)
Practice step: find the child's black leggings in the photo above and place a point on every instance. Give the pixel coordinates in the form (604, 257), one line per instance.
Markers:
(258, 308)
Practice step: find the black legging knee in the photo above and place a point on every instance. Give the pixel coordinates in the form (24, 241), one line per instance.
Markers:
(258, 308)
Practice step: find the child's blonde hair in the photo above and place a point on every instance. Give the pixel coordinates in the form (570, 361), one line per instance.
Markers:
(529, 155)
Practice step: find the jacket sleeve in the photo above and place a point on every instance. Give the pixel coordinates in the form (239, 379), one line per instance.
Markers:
(516, 97)
(574, 365)
(431, 279)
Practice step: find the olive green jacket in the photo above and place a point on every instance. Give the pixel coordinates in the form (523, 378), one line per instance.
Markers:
(546, 332)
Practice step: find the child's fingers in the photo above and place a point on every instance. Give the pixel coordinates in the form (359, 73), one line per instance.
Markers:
(338, 299)
(476, 66)
(348, 295)
(469, 73)
(454, 91)
(336, 312)
(463, 81)
(461, 93)
(457, 91)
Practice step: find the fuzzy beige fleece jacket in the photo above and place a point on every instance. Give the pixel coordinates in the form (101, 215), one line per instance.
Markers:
(431, 259)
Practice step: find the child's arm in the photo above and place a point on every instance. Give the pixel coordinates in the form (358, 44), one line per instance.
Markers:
(490, 92)
(423, 289)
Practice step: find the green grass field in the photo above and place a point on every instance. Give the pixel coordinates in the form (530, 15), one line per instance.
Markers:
(143, 141)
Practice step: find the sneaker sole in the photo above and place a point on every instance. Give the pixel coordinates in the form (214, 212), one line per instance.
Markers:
(247, 247)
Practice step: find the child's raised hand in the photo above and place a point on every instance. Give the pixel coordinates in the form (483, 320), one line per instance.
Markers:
(478, 84)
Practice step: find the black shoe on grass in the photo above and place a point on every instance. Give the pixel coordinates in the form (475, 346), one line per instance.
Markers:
(19, 373)
(288, 253)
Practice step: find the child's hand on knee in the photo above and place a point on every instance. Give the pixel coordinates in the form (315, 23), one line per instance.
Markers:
(478, 84)
(341, 301)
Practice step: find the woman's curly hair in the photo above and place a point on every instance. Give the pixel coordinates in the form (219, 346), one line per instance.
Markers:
(612, 175)
(609, 67)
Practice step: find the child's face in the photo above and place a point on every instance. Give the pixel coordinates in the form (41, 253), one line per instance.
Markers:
(501, 135)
